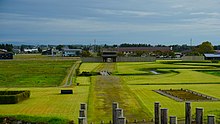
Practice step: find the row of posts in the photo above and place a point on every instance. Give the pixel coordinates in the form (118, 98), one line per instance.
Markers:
(82, 114)
(117, 114)
(161, 115)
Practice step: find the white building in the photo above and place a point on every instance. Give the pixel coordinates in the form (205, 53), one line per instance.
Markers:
(72, 52)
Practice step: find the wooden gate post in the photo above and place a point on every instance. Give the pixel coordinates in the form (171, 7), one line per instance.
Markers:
(199, 115)
(188, 117)
(119, 113)
(83, 106)
(121, 120)
(157, 112)
(164, 116)
(173, 120)
(82, 113)
(211, 119)
(114, 107)
(82, 120)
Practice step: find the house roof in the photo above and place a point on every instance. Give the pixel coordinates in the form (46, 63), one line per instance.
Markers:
(150, 49)
(209, 55)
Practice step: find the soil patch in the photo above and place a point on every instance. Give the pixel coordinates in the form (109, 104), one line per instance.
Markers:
(185, 95)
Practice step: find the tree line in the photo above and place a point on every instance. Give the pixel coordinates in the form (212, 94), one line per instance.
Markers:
(8, 47)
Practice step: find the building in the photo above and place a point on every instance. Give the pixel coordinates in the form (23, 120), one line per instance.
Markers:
(210, 56)
(72, 52)
(131, 50)
(5, 55)
(109, 56)
(52, 52)
(33, 50)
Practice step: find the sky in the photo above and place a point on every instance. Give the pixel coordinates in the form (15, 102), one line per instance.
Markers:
(153, 22)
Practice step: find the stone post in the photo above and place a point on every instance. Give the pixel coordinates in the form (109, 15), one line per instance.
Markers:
(164, 116)
(199, 115)
(188, 117)
(173, 120)
(211, 119)
(121, 120)
(114, 107)
(157, 112)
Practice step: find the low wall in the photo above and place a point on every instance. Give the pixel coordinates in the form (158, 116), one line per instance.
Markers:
(136, 59)
(120, 59)
(193, 58)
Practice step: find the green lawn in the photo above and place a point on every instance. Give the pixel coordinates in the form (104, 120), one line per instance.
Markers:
(184, 76)
(88, 67)
(143, 67)
(33, 73)
(48, 102)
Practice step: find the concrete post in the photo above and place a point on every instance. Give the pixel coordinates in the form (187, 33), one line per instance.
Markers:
(157, 112)
(199, 115)
(188, 117)
(82, 120)
(121, 120)
(114, 107)
(164, 116)
(119, 113)
(211, 119)
(173, 120)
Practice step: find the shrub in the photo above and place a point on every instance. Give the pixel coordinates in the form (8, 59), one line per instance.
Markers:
(13, 97)
(215, 61)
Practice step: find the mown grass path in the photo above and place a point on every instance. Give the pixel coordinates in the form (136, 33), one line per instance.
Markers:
(108, 89)
(71, 75)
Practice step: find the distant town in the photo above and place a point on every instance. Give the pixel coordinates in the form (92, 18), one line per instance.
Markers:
(206, 49)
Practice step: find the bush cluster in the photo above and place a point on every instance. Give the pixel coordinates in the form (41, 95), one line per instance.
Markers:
(84, 73)
(13, 97)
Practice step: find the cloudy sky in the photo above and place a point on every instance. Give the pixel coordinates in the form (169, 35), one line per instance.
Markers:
(110, 21)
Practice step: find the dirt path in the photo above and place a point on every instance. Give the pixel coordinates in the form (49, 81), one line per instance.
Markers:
(71, 75)
(107, 89)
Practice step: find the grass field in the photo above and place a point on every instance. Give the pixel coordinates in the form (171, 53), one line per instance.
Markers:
(148, 97)
(48, 102)
(130, 84)
(33, 73)
(88, 67)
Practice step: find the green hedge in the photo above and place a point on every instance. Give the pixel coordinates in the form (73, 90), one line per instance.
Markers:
(13, 97)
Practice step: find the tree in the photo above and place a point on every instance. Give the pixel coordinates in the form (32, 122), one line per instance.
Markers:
(59, 47)
(86, 53)
(205, 47)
